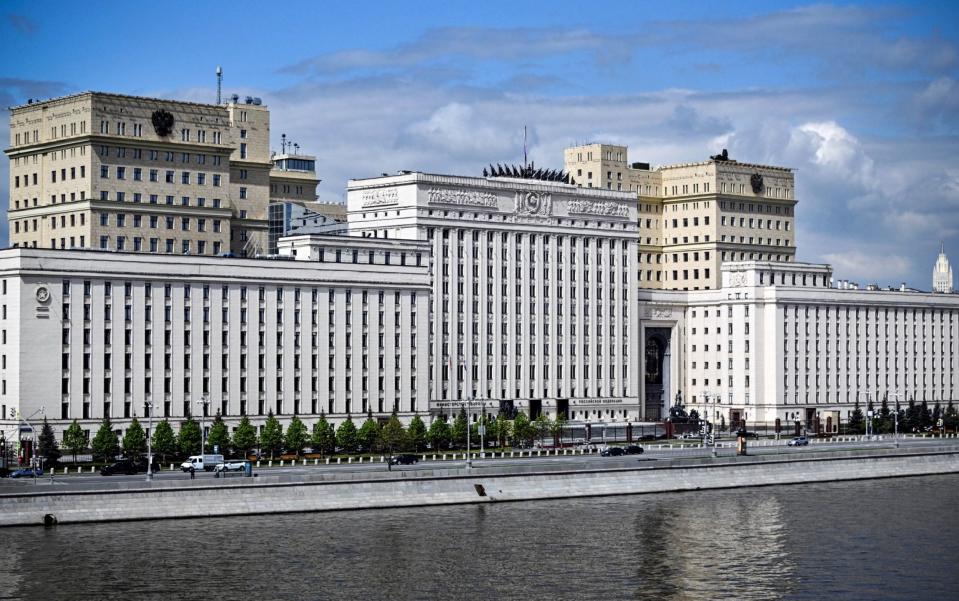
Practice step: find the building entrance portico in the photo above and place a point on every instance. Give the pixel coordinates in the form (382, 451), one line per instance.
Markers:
(657, 380)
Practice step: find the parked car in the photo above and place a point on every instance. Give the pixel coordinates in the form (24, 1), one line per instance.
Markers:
(230, 466)
(129, 467)
(27, 472)
(799, 441)
(747, 434)
(123, 466)
(633, 449)
(612, 452)
(404, 459)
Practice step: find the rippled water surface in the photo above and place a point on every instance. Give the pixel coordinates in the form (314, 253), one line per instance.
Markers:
(875, 540)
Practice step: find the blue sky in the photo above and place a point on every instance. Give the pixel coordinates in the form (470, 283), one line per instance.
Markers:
(861, 99)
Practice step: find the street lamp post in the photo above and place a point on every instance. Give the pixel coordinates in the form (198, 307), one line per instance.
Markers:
(469, 460)
(148, 406)
(895, 436)
(868, 414)
(482, 433)
(707, 396)
(33, 431)
(204, 403)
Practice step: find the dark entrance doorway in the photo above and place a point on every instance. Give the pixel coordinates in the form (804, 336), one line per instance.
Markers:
(562, 409)
(656, 372)
(535, 408)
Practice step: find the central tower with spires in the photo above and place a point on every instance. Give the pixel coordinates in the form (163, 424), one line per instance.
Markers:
(942, 273)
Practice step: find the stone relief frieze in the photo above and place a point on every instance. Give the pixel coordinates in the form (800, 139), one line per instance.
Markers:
(380, 198)
(539, 204)
(606, 209)
(470, 198)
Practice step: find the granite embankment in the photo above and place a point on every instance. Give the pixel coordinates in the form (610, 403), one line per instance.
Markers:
(315, 492)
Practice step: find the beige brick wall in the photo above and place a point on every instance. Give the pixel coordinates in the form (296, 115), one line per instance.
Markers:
(103, 148)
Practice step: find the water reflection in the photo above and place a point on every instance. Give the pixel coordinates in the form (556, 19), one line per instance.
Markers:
(736, 541)
(736, 544)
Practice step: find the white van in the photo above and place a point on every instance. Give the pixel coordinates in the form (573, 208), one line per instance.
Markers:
(201, 462)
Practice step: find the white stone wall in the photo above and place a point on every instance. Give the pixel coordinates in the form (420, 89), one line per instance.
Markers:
(811, 346)
(155, 320)
(532, 300)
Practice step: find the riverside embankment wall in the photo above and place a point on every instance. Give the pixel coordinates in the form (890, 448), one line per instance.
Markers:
(403, 489)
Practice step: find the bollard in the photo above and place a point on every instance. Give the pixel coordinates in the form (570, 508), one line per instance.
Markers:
(257, 463)
(304, 462)
(444, 456)
(434, 456)
(92, 469)
(79, 469)
(316, 461)
(339, 460)
(349, 460)
(281, 463)
(64, 470)
(270, 463)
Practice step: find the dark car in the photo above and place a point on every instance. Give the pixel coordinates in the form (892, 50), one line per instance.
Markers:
(799, 441)
(633, 449)
(27, 472)
(612, 452)
(747, 434)
(124, 466)
(129, 467)
(404, 459)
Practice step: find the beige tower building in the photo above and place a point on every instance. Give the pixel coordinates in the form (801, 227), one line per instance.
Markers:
(695, 216)
(127, 173)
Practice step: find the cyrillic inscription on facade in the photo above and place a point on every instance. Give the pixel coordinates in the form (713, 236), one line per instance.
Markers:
(608, 209)
(380, 198)
(470, 198)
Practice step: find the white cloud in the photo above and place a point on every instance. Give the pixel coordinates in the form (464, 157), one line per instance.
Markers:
(835, 151)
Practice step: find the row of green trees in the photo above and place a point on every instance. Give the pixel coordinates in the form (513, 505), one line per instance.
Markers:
(372, 436)
(913, 418)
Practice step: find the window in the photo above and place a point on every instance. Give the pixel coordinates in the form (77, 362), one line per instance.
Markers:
(242, 192)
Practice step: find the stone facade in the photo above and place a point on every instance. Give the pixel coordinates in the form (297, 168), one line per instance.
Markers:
(533, 289)
(695, 216)
(127, 173)
(88, 334)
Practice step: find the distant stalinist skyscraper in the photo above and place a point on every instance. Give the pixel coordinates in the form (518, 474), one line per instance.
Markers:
(942, 273)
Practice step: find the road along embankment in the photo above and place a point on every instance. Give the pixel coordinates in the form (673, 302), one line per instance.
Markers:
(266, 495)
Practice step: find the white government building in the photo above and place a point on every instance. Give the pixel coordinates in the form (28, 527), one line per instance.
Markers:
(512, 292)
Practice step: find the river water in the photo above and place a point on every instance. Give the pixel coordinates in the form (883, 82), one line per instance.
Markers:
(871, 540)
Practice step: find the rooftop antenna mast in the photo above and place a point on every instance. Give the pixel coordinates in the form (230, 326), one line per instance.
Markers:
(219, 83)
(283, 144)
(525, 159)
